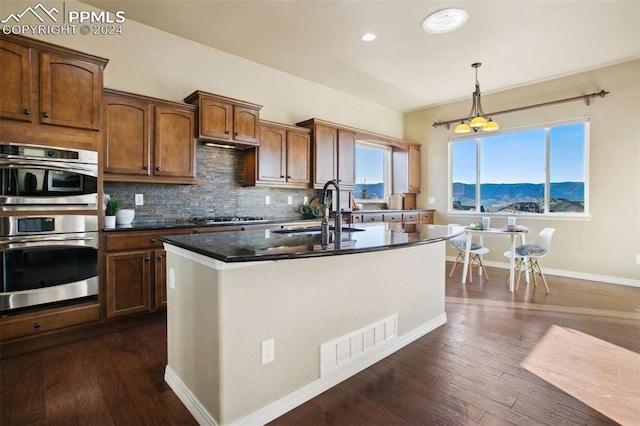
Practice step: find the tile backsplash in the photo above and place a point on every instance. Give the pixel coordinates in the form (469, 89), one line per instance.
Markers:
(219, 192)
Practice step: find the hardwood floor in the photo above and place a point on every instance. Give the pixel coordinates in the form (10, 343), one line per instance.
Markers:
(465, 372)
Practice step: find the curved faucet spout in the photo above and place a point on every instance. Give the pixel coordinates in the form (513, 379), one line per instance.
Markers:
(323, 199)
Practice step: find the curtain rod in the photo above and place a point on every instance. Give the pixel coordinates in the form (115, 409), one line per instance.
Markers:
(587, 99)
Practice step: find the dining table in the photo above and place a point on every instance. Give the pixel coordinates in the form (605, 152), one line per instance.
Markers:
(513, 232)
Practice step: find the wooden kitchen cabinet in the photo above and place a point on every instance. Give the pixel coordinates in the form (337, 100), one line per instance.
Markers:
(136, 271)
(406, 169)
(333, 153)
(226, 120)
(147, 139)
(405, 216)
(282, 159)
(50, 95)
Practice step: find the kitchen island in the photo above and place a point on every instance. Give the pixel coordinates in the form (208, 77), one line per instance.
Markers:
(259, 322)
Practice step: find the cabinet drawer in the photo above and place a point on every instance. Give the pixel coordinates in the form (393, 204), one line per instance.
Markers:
(356, 218)
(426, 217)
(375, 217)
(21, 326)
(392, 217)
(131, 241)
(410, 217)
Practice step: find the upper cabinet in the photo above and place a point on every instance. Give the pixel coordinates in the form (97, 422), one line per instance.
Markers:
(147, 139)
(226, 120)
(406, 169)
(282, 159)
(333, 153)
(50, 95)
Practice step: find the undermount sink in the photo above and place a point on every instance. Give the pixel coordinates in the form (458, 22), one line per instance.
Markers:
(313, 230)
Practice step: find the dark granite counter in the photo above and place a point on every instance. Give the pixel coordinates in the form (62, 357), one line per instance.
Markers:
(161, 224)
(255, 245)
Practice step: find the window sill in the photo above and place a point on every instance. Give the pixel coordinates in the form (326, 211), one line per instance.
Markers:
(525, 216)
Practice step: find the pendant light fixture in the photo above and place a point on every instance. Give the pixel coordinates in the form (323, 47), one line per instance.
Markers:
(477, 119)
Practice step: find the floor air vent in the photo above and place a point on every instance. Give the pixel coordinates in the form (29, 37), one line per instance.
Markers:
(345, 349)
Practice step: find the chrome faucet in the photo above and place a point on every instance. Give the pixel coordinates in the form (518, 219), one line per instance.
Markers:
(338, 215)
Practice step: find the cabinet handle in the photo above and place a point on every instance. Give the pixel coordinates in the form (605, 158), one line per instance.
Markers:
(288, 177)
(146, 167)
(226, 132)
(157, 169)
(236, 133)
(26, 111)
(160, 257)
(37, 324)
(154, 240)
(146, 259)
(46, 115)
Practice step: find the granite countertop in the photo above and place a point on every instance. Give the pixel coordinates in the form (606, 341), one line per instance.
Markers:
(160, 224)
(256, 245)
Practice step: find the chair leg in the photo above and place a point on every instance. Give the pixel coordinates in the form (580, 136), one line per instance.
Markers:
(534, 263)
(484, 270)
(459, 258)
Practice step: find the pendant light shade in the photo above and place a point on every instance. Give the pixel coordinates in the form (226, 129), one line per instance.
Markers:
(477, 119)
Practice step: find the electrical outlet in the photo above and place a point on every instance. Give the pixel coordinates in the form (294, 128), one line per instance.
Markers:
(267, 233)
(267, 200)
(638, 259)
(289, 200)
(305, 200)
(139, 200)
(268, 351)
(431, 200)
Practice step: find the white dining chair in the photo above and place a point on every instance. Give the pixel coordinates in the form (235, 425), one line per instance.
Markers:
(459, 243)
(527, 256)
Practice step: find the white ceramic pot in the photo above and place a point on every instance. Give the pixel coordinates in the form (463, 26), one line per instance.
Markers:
(125, 216)
(109, 222)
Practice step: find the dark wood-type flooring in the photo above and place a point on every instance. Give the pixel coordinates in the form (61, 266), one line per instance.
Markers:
(463, 373)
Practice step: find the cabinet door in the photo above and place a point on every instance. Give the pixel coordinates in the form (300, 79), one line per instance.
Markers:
(346, 159)
(126, 135)
(414, 168)
(15, 81)
(174, 145)
(160, 273)
(324, 154)
(246, 124)
(271, 154)
(70, 92)
(298, 156)
(216, 119)
(128, 283)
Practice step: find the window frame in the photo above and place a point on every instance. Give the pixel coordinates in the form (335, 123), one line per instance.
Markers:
(546, 126)
(387, 172)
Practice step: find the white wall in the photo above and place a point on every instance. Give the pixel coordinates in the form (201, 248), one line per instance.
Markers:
(602, 247)
(147, 61)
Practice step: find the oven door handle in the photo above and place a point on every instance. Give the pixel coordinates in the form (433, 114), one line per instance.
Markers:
(91, 170)
(40, 240)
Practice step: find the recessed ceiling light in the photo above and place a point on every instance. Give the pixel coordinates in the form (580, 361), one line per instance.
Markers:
(368, 37)
(444, 21)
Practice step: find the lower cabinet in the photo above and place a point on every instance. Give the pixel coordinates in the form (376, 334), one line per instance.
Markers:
(135, 272)
(405, 216)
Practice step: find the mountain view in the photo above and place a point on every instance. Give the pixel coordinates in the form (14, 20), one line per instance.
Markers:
(369, 191)
(520, 197)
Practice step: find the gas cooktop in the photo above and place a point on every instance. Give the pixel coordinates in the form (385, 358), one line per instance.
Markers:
(226, 219)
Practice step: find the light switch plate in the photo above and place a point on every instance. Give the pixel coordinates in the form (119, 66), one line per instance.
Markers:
(139, 200)
(267, 200)
(289, 200)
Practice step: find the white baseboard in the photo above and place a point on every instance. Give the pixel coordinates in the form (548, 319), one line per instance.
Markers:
(202, 416)
(570, 274)
(289, 402)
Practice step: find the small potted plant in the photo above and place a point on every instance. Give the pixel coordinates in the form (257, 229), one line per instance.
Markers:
(112, 206)
(310, 212)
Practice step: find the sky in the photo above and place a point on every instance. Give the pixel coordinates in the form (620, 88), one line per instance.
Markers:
(519, 157)
(369, 165)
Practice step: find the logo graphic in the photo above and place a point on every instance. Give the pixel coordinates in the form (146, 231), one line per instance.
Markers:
(34, 11)
(69, 22)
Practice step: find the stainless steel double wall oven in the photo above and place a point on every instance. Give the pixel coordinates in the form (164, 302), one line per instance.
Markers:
(48, 226)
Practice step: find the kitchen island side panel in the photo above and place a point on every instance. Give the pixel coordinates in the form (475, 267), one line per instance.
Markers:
(301, 304)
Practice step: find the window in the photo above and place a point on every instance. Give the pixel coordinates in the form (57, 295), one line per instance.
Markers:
(535, 171)
(373, 172)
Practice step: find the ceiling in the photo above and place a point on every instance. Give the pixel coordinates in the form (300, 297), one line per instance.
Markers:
(518, 41)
